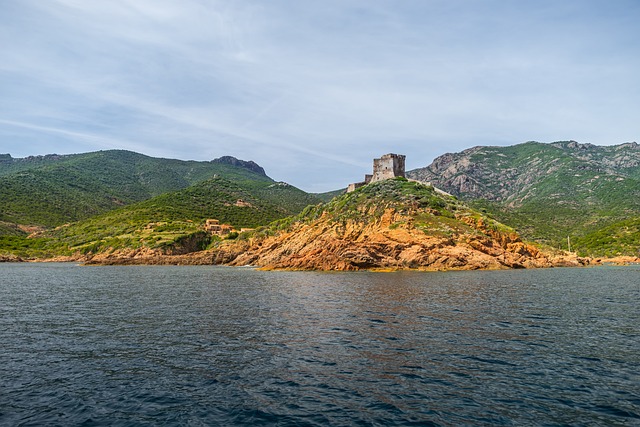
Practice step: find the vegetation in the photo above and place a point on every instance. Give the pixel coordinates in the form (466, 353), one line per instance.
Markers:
(121, 200)
(30, 248)
(167, 221)
(9, 229)
(429, 211)
(620, 238)
(550, 191)
(53, 190)
(329, 195)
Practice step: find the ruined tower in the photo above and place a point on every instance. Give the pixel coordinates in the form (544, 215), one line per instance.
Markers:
(387, 166)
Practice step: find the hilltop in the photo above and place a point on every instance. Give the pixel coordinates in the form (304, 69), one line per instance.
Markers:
(390, 224)
(551, 191)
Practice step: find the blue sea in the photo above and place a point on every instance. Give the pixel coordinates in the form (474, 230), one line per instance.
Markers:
(208, 346)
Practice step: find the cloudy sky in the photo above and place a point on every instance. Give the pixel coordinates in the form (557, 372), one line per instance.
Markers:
(313, 90)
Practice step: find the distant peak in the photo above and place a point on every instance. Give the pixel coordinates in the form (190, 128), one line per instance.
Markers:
(575, 145)
(250, 164)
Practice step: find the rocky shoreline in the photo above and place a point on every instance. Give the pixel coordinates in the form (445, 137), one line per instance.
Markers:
(10, 258)
(218, 257)
(213, 258)
(327, 245)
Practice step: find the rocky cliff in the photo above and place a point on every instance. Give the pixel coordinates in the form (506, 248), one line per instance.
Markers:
(247, 164)
(393, 224)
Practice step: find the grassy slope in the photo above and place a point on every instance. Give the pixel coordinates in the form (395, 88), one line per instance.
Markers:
(9, 229)
(329, 195)
(167, 220)
(564, 207)
(52, 191)
(620, 238)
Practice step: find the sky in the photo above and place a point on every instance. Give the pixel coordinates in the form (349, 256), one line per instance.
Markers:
(314, 90)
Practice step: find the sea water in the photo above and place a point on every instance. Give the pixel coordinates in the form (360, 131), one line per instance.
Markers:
(151, 345)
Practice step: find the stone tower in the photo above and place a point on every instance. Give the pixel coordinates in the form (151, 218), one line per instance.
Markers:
(388, 166)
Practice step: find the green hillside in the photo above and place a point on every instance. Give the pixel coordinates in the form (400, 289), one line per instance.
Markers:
(53, 190)
(9, 229)
(329, 195)
(619, 238)
(120, 199)
(172, 222)
(549, 191)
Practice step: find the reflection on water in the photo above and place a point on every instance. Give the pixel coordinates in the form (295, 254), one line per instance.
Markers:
(220, 346)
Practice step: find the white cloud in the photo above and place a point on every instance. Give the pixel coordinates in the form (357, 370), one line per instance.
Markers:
(313, 90)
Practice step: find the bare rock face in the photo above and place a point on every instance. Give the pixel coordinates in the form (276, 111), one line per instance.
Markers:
(513, 174)
(247, 164)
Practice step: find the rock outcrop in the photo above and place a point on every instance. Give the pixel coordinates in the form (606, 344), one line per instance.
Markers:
(247, 164)
(379, 232)
(10, 258)
(327, 245)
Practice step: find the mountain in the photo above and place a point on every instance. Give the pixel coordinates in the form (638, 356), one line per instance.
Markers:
(390, 224)
(119, 200)
(549, 192)
(55, 189)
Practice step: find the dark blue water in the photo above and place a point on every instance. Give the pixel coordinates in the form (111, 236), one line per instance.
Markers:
(221, 346)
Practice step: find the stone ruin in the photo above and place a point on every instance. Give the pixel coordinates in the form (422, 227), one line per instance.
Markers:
(214, 227)
(386, 167)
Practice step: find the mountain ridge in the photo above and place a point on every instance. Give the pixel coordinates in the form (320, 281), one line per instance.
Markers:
(564, 194)
(54, 189)
(546, 191)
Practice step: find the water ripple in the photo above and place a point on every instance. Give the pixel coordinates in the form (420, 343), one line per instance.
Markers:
(218, 346)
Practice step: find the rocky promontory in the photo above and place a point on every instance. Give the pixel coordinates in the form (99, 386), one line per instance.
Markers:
(393, 224)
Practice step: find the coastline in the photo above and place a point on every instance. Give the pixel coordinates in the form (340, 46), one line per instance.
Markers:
(211, 258)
